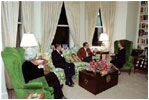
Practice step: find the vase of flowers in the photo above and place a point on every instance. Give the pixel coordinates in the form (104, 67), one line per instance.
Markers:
(99, 66)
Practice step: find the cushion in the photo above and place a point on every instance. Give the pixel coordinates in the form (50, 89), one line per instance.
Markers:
(73, 58)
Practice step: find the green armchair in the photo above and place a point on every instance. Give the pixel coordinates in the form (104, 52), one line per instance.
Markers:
(129, 59)
(13, 59)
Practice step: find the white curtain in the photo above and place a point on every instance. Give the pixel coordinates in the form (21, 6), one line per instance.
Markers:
(27, 16)
(91, 13)
(50, 13)
(108, 15)
(73, 16)
(10, 11)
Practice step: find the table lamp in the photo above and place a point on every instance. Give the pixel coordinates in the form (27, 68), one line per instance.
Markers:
(28, 40)
(104, 38)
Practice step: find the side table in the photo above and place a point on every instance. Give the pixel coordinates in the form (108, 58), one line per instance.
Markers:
(101, 53)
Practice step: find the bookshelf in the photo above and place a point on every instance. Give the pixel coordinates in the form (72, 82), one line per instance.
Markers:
(140, 54)
(142, 42)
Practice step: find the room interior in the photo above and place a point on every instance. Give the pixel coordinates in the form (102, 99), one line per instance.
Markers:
(41, 24)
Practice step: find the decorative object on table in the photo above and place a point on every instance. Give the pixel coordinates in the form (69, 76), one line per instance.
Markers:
(95, 83)
(99, 66)
(104, 38)
(28, 40)
(34, 96)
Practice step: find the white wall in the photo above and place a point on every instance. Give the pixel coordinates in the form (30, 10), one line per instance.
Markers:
(132, 18)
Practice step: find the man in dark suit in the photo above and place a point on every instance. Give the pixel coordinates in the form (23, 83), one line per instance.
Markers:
(60, 62)
(84, 53)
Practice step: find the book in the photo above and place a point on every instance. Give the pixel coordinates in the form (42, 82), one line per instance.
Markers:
(34, 96)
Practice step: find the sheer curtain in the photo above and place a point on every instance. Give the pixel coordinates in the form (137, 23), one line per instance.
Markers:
(28, 15)
(91, 12)
(50, 13)
(73, 16)
(108, 15)
(9, 18)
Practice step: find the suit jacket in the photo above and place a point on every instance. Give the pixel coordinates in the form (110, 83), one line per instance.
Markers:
(82, 53)
(57, 59)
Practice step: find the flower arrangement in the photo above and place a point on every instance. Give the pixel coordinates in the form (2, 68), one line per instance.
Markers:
(99, 66)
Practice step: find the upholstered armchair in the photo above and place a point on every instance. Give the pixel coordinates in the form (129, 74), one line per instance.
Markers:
(13, 59)
(129, 59)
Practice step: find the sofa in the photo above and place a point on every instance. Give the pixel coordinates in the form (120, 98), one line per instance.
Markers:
(60, 72)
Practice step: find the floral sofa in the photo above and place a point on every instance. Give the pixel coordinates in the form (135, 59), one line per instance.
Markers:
(60, 72)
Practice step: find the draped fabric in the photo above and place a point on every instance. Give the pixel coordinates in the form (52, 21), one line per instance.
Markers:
(91, 12)
(28, 15)
(9, 18)
(50, 13)
(10, 11)
(108, 15)
(73, 16)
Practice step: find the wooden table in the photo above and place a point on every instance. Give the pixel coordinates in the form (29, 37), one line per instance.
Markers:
(101, 53)
(95, 83)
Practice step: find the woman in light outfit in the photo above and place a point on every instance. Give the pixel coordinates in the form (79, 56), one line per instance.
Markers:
(34, 68)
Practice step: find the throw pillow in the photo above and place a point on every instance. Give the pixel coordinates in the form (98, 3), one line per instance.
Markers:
(74, 58)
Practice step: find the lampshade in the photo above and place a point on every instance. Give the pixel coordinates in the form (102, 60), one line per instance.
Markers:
(28, 40)
(103, 37)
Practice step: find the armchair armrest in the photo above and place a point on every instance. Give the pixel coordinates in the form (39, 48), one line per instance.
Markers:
(33, 85)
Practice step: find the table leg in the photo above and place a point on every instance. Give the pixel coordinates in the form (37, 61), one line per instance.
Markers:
(101, 56)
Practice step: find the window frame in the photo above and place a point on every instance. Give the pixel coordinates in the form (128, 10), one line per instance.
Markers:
(98, 27)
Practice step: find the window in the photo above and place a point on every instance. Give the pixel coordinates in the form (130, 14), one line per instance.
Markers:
(62, 32)
(98, 31)
(20, 27)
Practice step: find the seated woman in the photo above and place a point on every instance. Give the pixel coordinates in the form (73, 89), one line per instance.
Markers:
(33, 68)
(120, 57)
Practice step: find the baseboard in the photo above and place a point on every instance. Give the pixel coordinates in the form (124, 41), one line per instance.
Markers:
(4, 95)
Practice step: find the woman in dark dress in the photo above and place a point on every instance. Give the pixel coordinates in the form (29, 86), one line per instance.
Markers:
(34, 68)
(119, 60)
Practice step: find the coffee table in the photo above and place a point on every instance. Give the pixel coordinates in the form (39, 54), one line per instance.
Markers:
(95, 83)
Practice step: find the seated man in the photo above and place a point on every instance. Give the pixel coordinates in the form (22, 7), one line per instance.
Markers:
(84, 53)
(59, 62)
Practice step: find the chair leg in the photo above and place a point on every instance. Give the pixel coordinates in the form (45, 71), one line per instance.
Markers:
(129, 71)
(134, 69)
